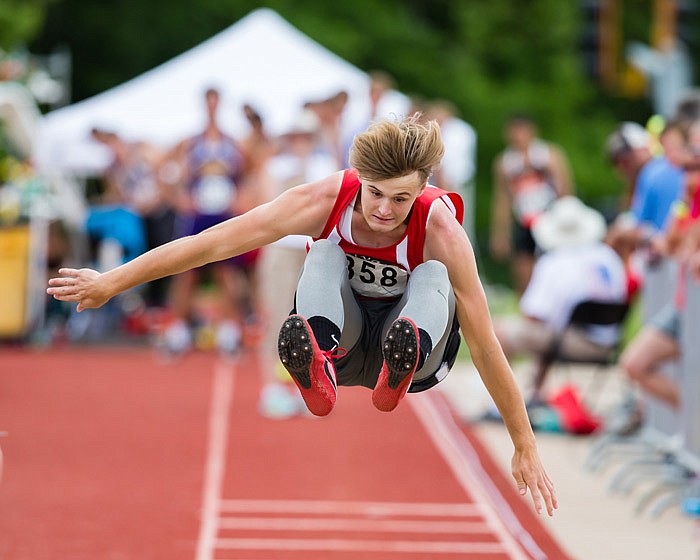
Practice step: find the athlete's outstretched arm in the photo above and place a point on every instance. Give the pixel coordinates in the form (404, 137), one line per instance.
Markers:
(447, 242)
(301, 210)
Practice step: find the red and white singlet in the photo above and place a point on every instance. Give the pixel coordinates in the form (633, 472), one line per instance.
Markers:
(382, 272)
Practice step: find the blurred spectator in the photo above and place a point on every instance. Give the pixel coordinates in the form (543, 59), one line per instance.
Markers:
(114, 224)
(257, 149)
(528, 176)
(298, 162)
(419, 107)
(688, 107)
(299, 159)
(658, 341)
(459, 162)
(576, 266)
(668, 68)
(132, 181)
(210, 169)
(383, 101)
(694, 264)
(653, 183)
(330, 115)
(672, 138)
(116, 234)
(257, 186)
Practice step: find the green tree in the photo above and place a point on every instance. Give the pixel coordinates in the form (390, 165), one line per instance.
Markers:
(20, 21)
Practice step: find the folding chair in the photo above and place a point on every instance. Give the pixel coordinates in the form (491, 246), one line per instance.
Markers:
(586, 314)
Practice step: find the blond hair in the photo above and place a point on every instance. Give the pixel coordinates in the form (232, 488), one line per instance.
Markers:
(392, 149)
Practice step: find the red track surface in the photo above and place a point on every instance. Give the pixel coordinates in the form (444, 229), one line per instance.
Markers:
(111, 454)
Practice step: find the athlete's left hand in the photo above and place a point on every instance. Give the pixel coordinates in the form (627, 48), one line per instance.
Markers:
(529, 473)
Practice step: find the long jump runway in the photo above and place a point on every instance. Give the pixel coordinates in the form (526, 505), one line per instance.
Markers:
(112, 454)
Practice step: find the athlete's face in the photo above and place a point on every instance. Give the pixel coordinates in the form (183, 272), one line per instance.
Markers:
(386, 203)
(519, 134)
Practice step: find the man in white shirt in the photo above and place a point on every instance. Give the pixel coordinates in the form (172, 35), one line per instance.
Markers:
(576, 266)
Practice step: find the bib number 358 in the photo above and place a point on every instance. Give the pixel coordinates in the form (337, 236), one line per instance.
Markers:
(374, 278)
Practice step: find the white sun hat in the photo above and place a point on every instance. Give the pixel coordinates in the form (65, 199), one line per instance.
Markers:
(568, 222)
(628, 137)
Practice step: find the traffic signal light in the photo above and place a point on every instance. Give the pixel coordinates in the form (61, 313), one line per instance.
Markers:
(599, 44)
(590, 37)
(673, 20)
(686, 22)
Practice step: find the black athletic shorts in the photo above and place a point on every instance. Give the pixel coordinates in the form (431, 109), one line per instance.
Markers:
(362, 364)
(523, 242)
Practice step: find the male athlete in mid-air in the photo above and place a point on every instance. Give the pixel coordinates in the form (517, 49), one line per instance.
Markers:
(389, 280)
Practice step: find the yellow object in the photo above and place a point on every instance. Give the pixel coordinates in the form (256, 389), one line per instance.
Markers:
(633, 82)
(680, 209)
(14, 279)
(205, 338)
(655, 126)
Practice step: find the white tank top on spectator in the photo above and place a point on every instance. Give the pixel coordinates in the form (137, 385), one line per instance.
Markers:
(530, 180)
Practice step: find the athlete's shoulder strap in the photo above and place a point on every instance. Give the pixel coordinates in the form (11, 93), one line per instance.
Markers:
(420, 215)
(348, 189)
(451, 199)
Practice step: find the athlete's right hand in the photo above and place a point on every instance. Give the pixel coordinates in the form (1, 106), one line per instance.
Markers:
(78, 285)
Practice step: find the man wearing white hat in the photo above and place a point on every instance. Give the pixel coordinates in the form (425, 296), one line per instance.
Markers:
(576, 266)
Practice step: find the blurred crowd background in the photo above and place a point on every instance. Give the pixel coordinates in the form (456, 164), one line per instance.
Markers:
(124, 126)
(103, 108)
(576, 68)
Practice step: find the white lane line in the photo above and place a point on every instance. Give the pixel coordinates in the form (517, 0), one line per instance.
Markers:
(463, 466)
(505, 511)
(360, 525)
(376, 509)
(415, 547)
(221, 396)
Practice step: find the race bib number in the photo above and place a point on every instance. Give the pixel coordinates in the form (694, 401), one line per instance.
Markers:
(374, 278)
(214, 194)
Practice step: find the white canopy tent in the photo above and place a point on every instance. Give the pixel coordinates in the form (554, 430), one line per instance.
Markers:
(261, 60)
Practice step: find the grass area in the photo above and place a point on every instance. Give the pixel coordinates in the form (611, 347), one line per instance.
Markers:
(633, 323)
(502, 301)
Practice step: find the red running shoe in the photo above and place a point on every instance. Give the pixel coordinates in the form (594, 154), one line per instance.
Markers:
(401, 350)
(311, 368)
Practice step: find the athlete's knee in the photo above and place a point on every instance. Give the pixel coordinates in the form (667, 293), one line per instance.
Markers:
(431, 270)
(326, 251)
